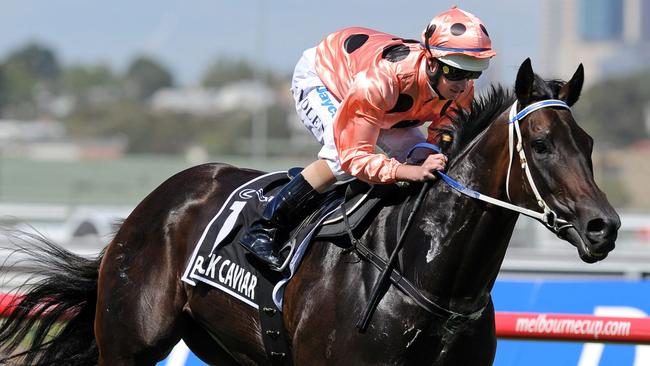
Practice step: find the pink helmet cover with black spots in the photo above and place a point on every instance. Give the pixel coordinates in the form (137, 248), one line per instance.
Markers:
(457, 32)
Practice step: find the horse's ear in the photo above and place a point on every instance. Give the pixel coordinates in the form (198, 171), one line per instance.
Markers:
(570, 92)
(524, 83)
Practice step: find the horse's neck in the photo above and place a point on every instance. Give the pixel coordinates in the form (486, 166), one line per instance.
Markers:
(466, 239)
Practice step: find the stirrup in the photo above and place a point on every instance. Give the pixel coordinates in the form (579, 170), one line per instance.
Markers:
(253, 244)
(291, 245)
(267, 260)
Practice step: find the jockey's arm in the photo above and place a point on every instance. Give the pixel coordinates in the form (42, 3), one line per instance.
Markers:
(357, 127)
(358, 124)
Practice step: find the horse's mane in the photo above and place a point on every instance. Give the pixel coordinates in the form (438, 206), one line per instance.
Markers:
(467, 125)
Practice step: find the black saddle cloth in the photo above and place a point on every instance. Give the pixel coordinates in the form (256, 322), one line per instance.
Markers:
(219, 242)
(219, 261)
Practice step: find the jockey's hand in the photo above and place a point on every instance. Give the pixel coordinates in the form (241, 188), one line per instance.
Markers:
(424, 172)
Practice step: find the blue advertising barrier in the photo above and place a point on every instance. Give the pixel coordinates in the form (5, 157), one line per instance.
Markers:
(602, 298)
(181, 356)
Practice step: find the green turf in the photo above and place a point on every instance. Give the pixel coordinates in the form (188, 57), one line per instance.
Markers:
(111, 182)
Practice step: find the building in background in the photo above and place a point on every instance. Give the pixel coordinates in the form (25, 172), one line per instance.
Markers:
(609, 37)
(248, 95)
(48, 140)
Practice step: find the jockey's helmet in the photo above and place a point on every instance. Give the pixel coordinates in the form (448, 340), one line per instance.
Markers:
(459, 39)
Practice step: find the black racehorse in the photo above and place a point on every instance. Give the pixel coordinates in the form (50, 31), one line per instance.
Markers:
(129, 306)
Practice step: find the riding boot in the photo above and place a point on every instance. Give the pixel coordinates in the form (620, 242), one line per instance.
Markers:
(282, 214)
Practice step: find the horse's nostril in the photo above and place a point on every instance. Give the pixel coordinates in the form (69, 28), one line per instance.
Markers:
(600, 229)
(596, 225)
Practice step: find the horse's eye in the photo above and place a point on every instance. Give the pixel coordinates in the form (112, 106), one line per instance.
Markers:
(540, 146)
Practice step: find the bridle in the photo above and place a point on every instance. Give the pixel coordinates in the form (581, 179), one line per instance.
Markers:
(548, 217)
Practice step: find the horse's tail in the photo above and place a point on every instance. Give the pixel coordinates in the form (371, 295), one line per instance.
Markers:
(52, 322)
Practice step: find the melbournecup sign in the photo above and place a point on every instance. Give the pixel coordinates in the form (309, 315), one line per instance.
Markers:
(597, 316)
(573, 327)
(535, 319)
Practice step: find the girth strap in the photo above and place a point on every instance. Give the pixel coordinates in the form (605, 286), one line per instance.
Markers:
(453, 319)
(274, 334)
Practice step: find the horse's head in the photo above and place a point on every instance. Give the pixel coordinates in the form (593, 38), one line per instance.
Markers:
(558, 155)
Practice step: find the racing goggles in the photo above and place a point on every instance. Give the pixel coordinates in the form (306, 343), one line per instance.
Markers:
(455, 74)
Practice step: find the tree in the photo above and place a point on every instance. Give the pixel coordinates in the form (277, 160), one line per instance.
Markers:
(227, 70)
(81, 77)
(613, 111)
(26, 72)
(36, 60)
(90, 85)
(145, 76)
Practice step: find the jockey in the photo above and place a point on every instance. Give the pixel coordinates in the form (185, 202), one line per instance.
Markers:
(360, 88)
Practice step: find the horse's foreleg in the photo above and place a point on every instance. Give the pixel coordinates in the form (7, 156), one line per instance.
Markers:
(476, 345)
(204, 346)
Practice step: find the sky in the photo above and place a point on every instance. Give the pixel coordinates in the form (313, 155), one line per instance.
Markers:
(186, 36)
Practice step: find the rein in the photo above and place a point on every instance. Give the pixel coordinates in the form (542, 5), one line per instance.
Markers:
(548, 217)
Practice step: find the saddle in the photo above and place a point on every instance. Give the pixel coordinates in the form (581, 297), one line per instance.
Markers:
(219, 261)
(344, 209)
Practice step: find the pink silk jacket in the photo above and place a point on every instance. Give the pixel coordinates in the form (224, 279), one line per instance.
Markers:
(382, 83)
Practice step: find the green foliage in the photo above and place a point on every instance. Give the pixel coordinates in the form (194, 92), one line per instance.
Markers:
(223, 135)
(145, 76)
(91, 85)
(161, 133)
(277, 119)
(224, 71)
(80, 78)
(146, 132)
(18, 82)
(35, 60)
(612, 111)
(26, 72)
(617, 195)
(106, 104)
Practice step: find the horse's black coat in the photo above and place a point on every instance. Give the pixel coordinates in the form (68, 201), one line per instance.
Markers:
(453, 254)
